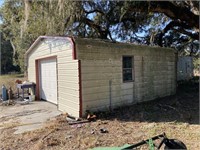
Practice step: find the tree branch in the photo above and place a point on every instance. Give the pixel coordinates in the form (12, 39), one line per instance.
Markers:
(13, 46)
(93, 11)
(193, 36)
(101, 33)
(175, 12)
(181, 26)
(169, 9)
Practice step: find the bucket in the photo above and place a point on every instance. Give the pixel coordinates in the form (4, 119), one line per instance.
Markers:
(4, 93)
(31, 97)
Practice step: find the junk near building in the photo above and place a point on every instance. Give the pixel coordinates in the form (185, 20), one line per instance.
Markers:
(168, 144)
(4, 93)
(25, 93)
(7, 95)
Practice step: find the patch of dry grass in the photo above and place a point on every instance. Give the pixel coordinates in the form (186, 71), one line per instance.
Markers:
(57, 134)
(9, 81)
(9, 125)
(127, 125)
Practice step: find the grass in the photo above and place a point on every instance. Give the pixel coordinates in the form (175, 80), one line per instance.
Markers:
(177, 116)
(12, 76)
(9, 125)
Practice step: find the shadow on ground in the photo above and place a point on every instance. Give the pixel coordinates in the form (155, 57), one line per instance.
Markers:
(182, 107)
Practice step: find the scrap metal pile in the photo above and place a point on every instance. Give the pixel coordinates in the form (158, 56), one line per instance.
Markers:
(154, 143)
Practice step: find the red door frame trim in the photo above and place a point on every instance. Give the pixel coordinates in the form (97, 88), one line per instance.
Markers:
(80, 89)
(37, 71)
(74, 55)
(37, 79)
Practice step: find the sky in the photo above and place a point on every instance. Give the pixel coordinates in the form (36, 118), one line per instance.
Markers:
(1, 2)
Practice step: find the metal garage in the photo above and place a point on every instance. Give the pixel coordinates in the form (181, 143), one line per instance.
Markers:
(80, 74)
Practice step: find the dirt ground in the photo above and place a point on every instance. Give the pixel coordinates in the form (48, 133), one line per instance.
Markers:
(26, 116)
(177, 116)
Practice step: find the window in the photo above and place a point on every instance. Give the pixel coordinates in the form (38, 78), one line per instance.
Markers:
(127, 68)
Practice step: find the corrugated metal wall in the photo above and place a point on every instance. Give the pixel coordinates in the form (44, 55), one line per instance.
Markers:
(101, 63)
(185, 68)
(67, 71)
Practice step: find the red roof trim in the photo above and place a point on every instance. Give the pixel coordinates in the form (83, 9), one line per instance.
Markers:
(73, 47)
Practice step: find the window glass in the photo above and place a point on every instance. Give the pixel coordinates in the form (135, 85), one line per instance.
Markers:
(127, 62)
(127, 68)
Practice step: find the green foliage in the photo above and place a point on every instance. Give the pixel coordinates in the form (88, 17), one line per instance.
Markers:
(142, 22)
(196, 62)
(24, 21)
(6, 52)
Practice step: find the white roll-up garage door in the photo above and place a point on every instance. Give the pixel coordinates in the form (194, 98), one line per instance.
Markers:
(48, 80)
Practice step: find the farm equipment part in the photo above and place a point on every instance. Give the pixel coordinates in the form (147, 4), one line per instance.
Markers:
(154, 143)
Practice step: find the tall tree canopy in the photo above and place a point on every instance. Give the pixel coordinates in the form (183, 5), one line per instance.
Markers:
(163, 23)
(6, 55)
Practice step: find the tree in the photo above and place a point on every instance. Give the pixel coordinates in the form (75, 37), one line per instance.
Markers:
(166, 23)
(6, 57)
(163, 23)
(23, 21)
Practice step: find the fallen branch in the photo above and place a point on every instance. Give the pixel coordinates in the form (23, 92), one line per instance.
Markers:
(78, 122)
(48, 134)
(168, 106)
